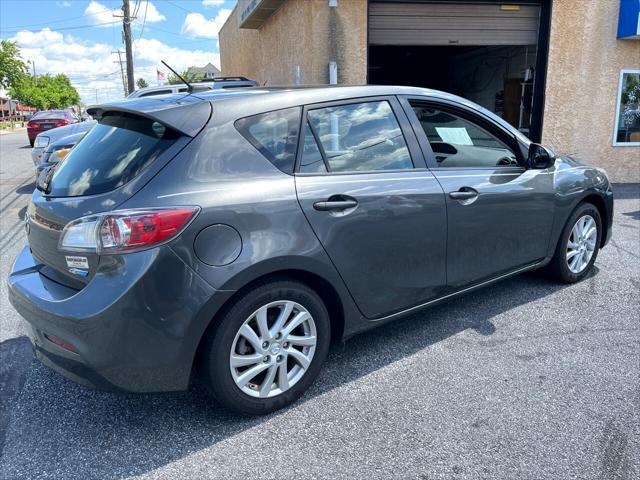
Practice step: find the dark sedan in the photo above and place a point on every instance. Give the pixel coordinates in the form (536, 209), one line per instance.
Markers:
(231, 236)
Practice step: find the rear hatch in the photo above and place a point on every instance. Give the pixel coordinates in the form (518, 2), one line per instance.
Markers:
(108, 166)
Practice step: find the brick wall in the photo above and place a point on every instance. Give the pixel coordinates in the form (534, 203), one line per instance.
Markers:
(585, 60)
(308, 34)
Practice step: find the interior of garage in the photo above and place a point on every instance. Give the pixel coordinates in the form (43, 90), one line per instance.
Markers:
(481, 51)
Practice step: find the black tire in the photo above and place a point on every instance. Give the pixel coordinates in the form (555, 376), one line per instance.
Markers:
(215, 362)
(31, 142)
(558, 267)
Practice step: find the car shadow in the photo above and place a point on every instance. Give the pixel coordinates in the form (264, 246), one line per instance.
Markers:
(28, 188)
(626, 191)
(105, 435)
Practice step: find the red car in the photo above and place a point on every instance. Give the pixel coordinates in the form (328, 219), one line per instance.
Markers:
(46, 120)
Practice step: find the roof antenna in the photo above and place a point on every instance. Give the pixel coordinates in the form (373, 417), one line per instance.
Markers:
(190, 87)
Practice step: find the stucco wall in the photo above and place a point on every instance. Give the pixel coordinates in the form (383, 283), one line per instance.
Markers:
(585, 60)
(308, 34)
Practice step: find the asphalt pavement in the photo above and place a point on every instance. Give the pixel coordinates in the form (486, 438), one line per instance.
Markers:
(525, 379)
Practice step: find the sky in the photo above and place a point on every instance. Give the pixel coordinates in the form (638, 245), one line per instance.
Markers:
(77, 38)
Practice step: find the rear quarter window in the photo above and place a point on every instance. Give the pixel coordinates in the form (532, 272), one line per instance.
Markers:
(274, 134)
(111, 154)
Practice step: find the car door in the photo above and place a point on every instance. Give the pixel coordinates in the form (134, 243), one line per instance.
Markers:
(375, 207)
(499, 214)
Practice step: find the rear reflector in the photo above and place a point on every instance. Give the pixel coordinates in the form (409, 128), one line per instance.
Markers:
(60, 343)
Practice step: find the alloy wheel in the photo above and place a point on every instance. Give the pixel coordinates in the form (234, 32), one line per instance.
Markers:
(273, 349)
(581, 243)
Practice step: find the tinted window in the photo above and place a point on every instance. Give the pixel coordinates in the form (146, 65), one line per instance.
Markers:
(111, 154)
(274, 134)
(357, 137)
(458, 142)
(47, 115)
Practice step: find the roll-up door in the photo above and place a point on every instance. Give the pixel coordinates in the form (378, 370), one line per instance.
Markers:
(452, 24)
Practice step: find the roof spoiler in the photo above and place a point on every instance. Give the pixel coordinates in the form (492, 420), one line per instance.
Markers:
(186, 117)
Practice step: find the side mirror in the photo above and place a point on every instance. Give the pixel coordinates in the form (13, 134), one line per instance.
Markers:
(540, 157)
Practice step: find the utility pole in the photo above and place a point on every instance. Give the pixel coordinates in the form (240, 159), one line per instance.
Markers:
(120, 61)
(35, 79)
(126, 27)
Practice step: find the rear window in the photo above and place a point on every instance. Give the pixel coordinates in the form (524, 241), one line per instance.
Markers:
(112, 153)
(274, 134)
(46, 115)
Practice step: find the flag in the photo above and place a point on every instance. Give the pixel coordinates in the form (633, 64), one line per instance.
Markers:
(161, 75)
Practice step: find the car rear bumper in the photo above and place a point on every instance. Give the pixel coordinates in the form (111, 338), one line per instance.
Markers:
(135, 326)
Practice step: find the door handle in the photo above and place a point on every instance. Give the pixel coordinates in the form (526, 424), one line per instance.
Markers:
(335, 205)
(463, 194)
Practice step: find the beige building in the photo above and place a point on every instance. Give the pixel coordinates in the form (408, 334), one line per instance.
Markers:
(564, 72)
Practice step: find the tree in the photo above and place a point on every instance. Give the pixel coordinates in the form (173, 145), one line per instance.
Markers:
(195, 77)
(142, 83)
(12, 67)
(46, 93)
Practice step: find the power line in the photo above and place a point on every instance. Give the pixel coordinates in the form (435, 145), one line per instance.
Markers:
(179, 6)
(76, 27)
(62, 19)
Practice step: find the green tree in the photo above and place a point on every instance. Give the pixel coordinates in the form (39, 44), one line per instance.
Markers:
(174, 80)
(47, 92)
(12, 67)
(142, 83)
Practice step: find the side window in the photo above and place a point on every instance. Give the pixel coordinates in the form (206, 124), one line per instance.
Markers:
(356, 137)
(458, 142)
(274, 134)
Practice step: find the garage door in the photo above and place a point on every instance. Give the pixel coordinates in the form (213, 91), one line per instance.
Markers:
(452, 24)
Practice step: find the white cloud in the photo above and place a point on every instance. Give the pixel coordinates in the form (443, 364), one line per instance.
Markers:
(212, 3)
(102, 16)
(99, 15)
(196, 25)
(153, 16)
(63, 4)
(90, 65)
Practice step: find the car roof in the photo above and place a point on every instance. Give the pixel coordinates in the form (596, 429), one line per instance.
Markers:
(189, 112)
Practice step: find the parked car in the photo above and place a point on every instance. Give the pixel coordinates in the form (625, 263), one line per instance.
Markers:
(204, 85)
(56, 152)
(44, 139)
(46, 120)
(231, 236)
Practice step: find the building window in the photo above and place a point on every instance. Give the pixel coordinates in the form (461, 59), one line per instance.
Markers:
(627, 124)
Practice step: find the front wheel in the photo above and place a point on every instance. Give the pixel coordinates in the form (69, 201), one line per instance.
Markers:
(579, 245)
(268, 347)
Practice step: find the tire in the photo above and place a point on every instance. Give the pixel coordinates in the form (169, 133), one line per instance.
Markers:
(31, 142)
(561, 265)
(274, 297)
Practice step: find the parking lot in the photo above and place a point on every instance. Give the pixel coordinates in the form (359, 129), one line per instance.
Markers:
(524, 379)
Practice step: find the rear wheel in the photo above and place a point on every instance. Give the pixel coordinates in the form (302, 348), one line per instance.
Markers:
(268, 347)
(578, 246)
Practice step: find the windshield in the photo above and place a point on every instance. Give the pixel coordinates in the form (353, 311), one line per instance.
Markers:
(111, 154)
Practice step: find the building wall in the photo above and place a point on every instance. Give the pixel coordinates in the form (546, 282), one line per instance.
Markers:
(584, 66)
(308, 34)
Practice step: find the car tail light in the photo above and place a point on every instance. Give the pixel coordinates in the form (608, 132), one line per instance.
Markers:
(62, 122)
(125, 230)
(31, 124)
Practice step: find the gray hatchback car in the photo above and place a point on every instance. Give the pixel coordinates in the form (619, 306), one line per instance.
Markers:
(231, 236)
